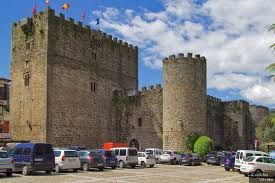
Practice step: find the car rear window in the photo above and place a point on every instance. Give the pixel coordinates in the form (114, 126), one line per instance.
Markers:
(4, 154)
(132, 152)
(109, 153)
(149, 152)
(249, 154)
(57, 153)
(27, 151)
(18, 151)
(212, 153)
(166, 152)
(238, 155)
(249, 159)
(70, 154)
(48, 149)
(39, 150)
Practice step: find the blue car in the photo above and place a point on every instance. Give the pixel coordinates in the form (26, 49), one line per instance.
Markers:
(229, 163)
(109, 157)
(32, 157)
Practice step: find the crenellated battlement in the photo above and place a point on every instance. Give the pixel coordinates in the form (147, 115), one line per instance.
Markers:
(181, 57)
(213, 100)
(236, 103)
(77, 25)
(151, 89)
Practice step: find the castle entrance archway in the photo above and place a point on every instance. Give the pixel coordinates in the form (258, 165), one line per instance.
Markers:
(134, 143)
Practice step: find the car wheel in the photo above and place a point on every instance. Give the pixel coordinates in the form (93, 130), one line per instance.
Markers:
(113, 167)
(227, 169)
(121, 164)
(25, 171)
(48, 171)
(151, 166)
(192, 163)
(134, 166)
(143, 165)
(57, 169)
(101, 169)
(258, 173)
(157, 161)
(172, 162)
(9, 173)
(85, 167)
(75, 170)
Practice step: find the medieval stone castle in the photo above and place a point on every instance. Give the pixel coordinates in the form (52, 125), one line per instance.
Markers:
(72, 85)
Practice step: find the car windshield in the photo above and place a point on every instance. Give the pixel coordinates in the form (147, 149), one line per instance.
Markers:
(212, 153)
(70, 154)
(149, 151)
(132, 152)
(166, 152)
(4, 154)
(249, 159)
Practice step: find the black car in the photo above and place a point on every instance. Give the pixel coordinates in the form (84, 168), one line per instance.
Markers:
(224, 155)
(190, 159)
(77, 148)
(109, 157)
(214, 158)
(91, 159)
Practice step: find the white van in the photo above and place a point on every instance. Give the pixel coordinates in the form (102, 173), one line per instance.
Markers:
(126, 156)
(241, 155)
(155, 152)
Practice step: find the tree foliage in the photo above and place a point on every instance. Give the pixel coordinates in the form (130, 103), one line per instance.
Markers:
(272, 28)
(265, 131)
(191, 140)
(202, 146)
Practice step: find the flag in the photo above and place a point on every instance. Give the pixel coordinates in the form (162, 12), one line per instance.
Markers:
(34, 8)
(97, 21)
(66, 6)
(47, 2)
(83, 15)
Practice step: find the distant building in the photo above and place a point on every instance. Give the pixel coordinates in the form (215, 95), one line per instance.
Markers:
(4, 106)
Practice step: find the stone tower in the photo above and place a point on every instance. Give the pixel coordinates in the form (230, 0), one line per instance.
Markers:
(63, 78)
(184, 99)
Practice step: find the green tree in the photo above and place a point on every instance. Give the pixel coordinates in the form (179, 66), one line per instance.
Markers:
(265, 131)
(191, 140)
(203, 145)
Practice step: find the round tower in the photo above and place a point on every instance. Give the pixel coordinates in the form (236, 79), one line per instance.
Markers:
(184, 99)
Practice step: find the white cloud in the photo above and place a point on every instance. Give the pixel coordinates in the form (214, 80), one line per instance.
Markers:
(230, 34)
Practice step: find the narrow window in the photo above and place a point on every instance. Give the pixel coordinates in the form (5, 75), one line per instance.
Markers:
(93, 86)
(27, 64)
(28, 46)
(27, 79)
(139, 122)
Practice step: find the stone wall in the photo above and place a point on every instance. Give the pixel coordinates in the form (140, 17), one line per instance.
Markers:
(142, 120)
(184, 99)
(84, 68)
(215, 123)
(29, 64)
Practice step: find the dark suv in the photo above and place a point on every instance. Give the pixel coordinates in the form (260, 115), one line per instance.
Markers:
(214, 157)
(109, 157)
(190, 159)
(31, 157)
(91, 159)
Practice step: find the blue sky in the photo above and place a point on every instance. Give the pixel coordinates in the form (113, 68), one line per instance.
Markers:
(235, 44)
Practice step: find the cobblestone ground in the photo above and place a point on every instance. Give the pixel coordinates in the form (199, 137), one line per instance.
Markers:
(158, 174)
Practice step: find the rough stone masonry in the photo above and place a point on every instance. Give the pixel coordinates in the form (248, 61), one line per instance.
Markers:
(72, 85)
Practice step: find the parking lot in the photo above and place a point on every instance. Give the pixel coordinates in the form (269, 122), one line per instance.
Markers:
(160, 173)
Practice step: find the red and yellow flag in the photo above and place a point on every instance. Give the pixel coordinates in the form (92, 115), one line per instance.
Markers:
(65, 6)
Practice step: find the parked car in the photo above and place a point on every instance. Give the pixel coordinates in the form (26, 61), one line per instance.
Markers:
(229, 163)
(146, 159)
(66, 159)
(6, 163)
(224, 155)
(91, 159)
(170, 156)
(109, 157)
(258, 165)
(155, 152)
(32, 157)
(241, 155)
(190, 159)
(126, 156)
(214, 158)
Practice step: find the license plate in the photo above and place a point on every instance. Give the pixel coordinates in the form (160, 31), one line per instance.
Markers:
(100, 164)
(71, 160)
(38, 159)
(112, 162)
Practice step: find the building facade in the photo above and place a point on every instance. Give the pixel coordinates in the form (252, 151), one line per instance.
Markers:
(72, 85)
